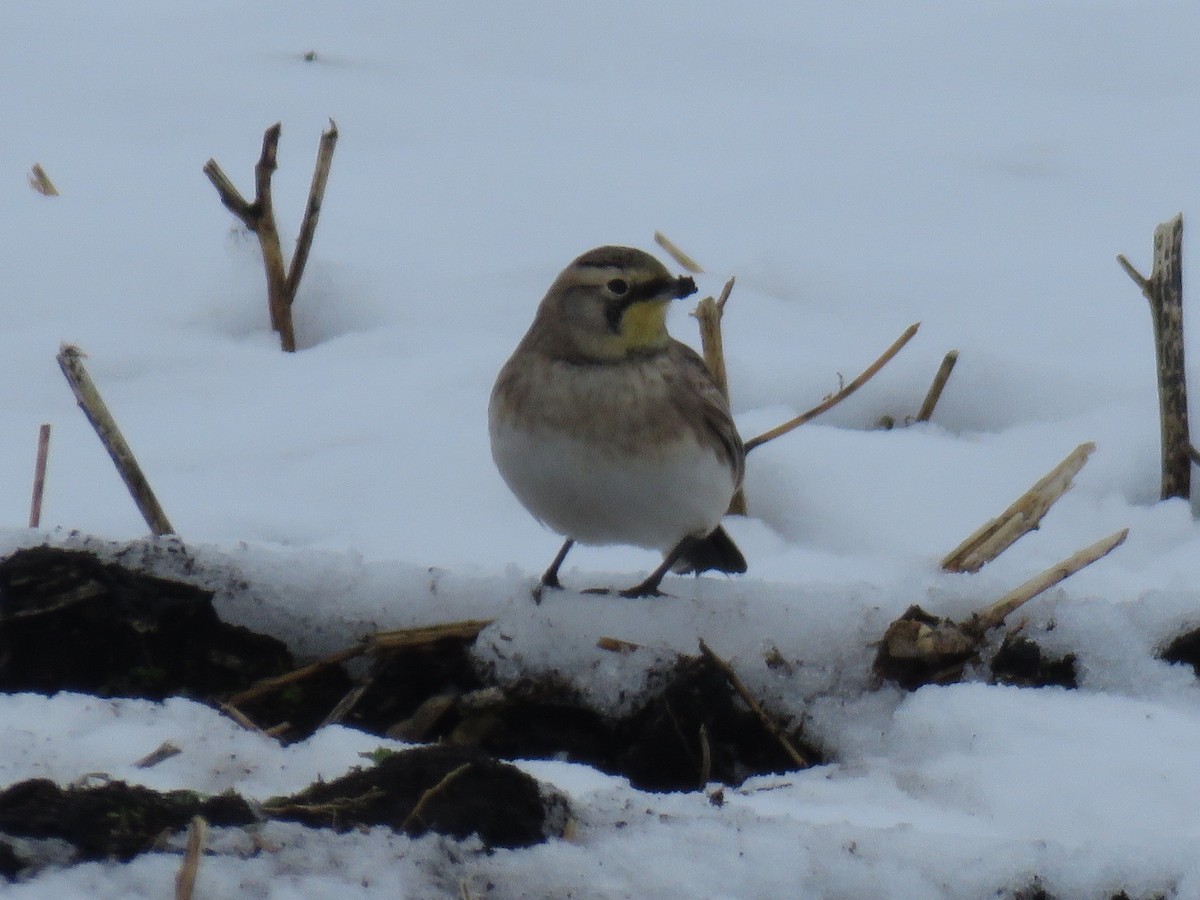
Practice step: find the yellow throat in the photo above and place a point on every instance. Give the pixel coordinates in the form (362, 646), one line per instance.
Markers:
(644, 325)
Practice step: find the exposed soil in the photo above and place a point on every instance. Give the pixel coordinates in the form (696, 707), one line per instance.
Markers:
(691, 730)
(1022, 662)
(919, 649)
(457, 791)
(69, 621)
(72, 622)
(110, 821)
(450, 790)
(1184, 650)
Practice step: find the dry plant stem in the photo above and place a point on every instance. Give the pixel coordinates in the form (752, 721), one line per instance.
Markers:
(616, 645)
(467, 630)
(280, 806)
(278, 301)
(70, 360)
(744, 693)
(937, 386)
(312, 212)
(841, 395)
(708, 313)
(259, 217)
(162, 752)
(418, 811)
(231, 197)
(39, 476)
(1002, 608)
(185, 878)
(342, 708)
(382, 641)
(241, 719)
(1164, 290)
(997, 535)
(40, 181)
(270, 685)
(678, 255)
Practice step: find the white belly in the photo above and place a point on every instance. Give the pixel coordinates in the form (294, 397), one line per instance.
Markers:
(650, 501)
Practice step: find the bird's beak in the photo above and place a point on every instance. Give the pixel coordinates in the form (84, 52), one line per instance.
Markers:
(681, 287)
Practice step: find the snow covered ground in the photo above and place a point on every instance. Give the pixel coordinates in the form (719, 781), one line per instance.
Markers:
(858, 167)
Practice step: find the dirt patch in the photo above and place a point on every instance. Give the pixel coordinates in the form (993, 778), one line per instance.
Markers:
(1023, 663)
(691, 729)
(1184, 650)
(919, 649)
(69, 621)
(450, 790)
(111, 821)
(72, 622)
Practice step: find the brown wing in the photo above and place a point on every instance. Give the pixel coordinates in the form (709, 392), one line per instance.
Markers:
(707, 409)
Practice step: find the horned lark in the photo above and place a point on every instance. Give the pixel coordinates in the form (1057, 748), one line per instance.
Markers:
(609, 430)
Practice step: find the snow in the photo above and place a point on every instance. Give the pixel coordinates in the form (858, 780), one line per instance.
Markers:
(858, 167)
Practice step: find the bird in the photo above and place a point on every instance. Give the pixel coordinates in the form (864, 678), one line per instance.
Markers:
(610, 431)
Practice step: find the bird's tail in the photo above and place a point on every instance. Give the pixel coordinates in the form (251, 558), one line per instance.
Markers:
(715, 552)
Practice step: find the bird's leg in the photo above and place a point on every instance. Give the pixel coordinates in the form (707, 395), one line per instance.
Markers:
(649, 587)
(550, 577)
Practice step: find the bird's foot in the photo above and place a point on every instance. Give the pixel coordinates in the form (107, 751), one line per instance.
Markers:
(638, 591)
(544, 585)
(596, 591)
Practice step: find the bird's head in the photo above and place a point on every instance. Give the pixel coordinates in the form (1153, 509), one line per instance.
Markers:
(612, 302)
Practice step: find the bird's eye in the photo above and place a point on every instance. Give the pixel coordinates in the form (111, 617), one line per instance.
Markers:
(618, 286)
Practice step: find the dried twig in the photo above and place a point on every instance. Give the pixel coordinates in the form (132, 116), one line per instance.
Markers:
(841, 395)
(278, 302)
(312, 212)
(919, 648)
(70, 360)
(678, 255)
(418, 811)
(40, 181)
(230, 196)
(937, 386)
(185, 878)
(338, 806)
(39, 476)
(467, 630)
(270, 685)
(1138, 278)
(163, 751)
(616, 645)
(342, 708)
(708, 313)
(736, 683)
(259, 217)
(1023, 516)
(382, 641)
(1164, 290)
(242, 720)
(1002, 608)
